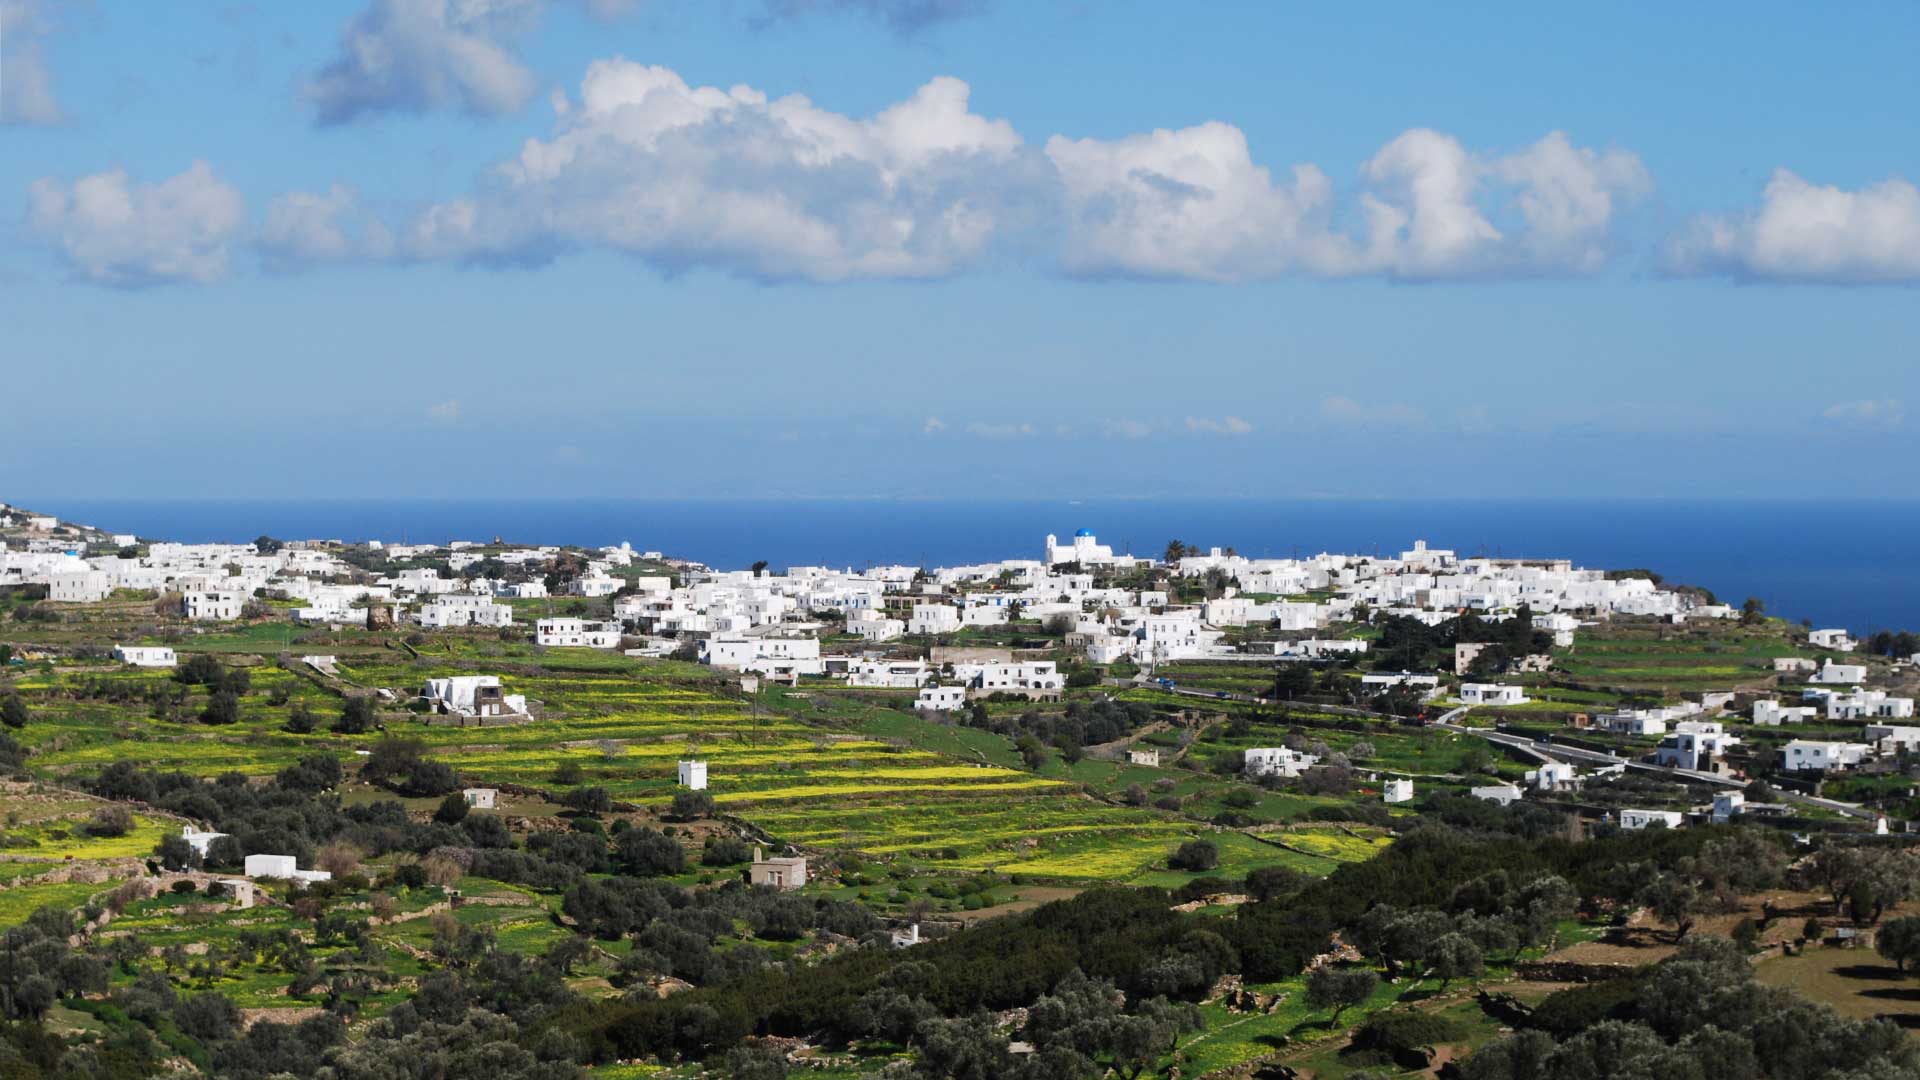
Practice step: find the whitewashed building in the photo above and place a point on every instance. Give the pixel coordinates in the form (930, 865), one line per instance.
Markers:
(1492, 694)
(1807, 755)
(693, 775)
(941, 698)
(1640, 819)
(154, 656)
(1277, 761)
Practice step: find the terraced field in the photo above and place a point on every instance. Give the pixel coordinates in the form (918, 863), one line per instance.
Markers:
(815, 770)
(1673, 661)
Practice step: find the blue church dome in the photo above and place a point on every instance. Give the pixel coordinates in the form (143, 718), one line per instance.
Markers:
(1083, 532)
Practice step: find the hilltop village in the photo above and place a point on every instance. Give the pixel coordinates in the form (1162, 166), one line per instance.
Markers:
(1450, 794)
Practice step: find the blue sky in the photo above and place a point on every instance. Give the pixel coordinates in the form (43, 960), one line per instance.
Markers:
(957, 247)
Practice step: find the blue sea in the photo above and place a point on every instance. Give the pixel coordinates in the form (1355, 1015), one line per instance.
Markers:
(1839, 563)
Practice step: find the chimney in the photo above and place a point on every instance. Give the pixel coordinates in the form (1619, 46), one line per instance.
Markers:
(758, 855)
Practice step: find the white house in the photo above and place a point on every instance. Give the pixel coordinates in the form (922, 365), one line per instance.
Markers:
(1631, 722)
(79, 587)
(1028, 675)
(480, 798)
(764, 654)
(200, 841)
(1150, 758)
(1640, 819)
(460, 609)
(282, 867)
(145, 655)
(889, 674)
(1772, 714)
(1892, 738)
(934, 619)
(472, 695)
(576, 633)
(693, 775)
(1837, 640)
(1277, 761)
(214, 604)
(1726, 805)
(1492, 694)
(1867, 704)
(1378, 681)
(941, 698)
(780, 872)
(1504, 794)
(1554, 776)
(1832, 674)
(1811, 756)
(595, 584)
(1693, 750)
(1794, 665)
(1397, 791)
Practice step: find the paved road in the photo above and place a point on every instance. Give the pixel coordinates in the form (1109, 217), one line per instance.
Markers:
(1594, 757)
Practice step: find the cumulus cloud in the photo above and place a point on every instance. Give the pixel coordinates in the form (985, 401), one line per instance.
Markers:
(1192, 203)
(933, 425)
(1226, 425)
(1809, 232)
(685, 176)
(416, 55)
(118, 232)
(26, 85)
(446, 412)
(1351, 413)
(304, 228)
(1883, 413)
(688, 176)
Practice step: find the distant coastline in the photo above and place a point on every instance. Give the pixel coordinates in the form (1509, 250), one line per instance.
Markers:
(1837, 562)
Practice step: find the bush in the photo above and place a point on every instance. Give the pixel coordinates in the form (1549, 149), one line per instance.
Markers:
(1402, 1032)
(588, 800)
(1196, 856)
(690, 805)
(300, 719)
(222, 708)
(452, 809)
(200, 670)
(14, 712)
(357, 717)
(110, 821)
(725, 851)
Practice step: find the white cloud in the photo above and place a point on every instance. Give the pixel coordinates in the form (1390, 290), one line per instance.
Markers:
(933, 424)
(1883, 413)
(1346, 411)
(117, 232)
(415, 55)
(26, 86)
(688, 176)
(1188, 203)
(1226, 425)
(1809, 232)
(446, 412)
(1193, 204)
(1126, 429)
(1000, 431)
(306, 227)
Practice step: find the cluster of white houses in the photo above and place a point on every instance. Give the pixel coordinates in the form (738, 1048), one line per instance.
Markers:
(769, 625)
